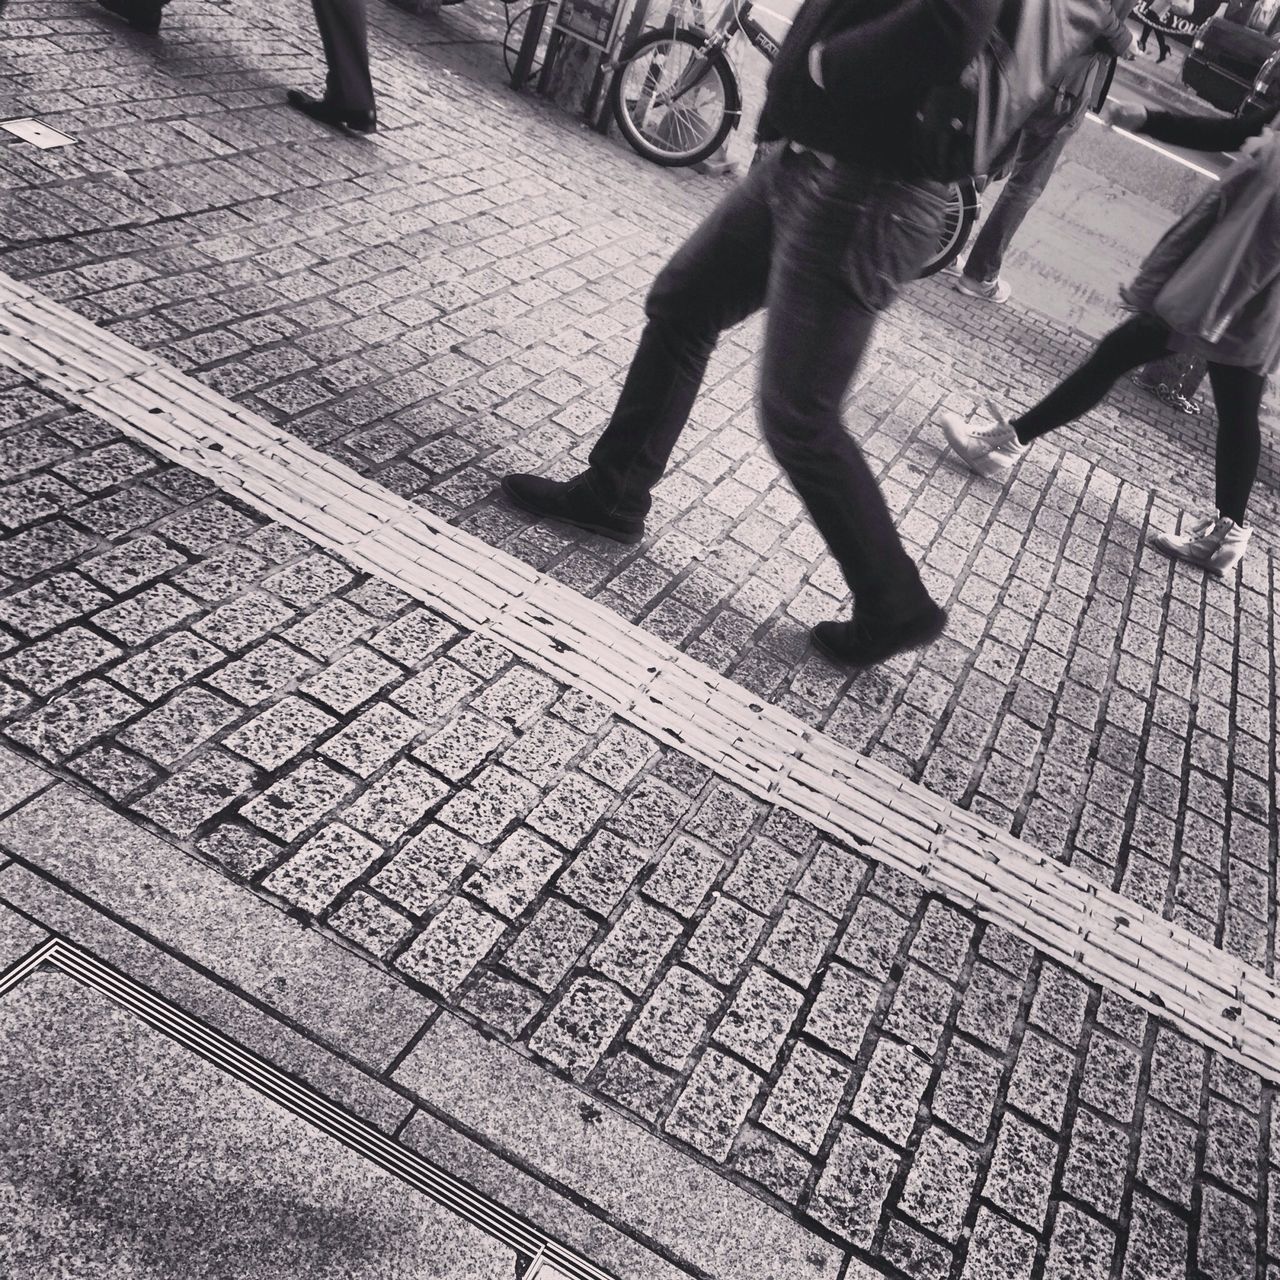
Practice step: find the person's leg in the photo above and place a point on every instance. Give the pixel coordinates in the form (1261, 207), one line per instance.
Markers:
(344, 34)
(992, 452)
(716, 279)
(1144, 37)
(1039, 150)
(845, 246)
(1138, 340)
(1218, 543)
(1237, 394)
(1162, 44)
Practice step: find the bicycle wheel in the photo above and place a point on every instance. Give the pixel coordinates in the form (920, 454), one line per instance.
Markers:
(962, 212)
(674, 103)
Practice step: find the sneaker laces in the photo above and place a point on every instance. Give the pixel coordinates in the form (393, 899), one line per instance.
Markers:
(1000, 433)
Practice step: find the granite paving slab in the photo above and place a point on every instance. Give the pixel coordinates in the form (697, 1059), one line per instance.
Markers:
(133, 1157)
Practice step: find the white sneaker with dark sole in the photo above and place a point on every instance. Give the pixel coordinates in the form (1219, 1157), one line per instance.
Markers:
(997, 290)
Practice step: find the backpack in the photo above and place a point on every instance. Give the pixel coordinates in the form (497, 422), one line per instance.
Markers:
(961, 129)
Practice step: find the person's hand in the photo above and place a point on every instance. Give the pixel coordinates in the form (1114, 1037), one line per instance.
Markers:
(1123, 115)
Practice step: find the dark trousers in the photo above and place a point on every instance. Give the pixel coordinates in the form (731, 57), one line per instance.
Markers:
(824, 250)
(1039, 149)
(344, 32)
(1237, 395)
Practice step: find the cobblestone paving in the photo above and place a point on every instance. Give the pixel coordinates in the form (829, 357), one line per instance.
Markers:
(441, 305)
(920, 1086)
(435, 322)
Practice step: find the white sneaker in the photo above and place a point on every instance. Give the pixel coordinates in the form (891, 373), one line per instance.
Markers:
(996, 290)
(1215, 543)
(990, 451)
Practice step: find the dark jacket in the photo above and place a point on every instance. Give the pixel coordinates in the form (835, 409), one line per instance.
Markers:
(1086, 85)
(879, 59)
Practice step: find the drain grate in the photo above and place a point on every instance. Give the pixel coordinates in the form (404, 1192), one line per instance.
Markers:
(546, 1258)
(37, 133)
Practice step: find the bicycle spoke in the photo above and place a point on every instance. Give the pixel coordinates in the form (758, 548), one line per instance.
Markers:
(673, 98)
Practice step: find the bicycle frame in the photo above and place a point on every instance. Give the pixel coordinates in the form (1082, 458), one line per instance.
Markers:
(737, 18)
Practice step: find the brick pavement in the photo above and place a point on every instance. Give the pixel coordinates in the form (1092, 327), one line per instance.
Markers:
(384, 301)
(434, 323)
(809, 1022)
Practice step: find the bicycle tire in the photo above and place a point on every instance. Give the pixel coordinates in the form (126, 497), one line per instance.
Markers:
(961, 214)
(673, 139)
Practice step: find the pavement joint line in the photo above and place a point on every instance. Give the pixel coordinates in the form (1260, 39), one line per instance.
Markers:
(772, 755)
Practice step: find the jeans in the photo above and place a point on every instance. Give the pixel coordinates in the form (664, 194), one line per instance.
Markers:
(344, 35)
(1039, 150)
(1237, 395)
(824, 250)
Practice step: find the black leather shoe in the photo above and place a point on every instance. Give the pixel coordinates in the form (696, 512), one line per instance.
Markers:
(331, 114)
(570, 502)
(141, 17)
(869, 639)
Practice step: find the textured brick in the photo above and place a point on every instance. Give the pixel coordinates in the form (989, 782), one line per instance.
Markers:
(673, 1021)
(73, 719)
(601, 873)
(636, 945)
(570, 810)
(891, 1089)
(454, 941)
(282, 731)
(842, 1011)
(854, 1185)
(683, 877)
(514, 873)
(759, 1018)
(804, 1100)
(723, 939)
(549, 944)
(713, 1104)
(427, 865)
(300, 799)
(1021, 1172)
(196, 792)
(580, 1026)
(489, 805)
(798, 942)
(939, 1184)
(1081, 1248)
(999, 1250)
(321, 867)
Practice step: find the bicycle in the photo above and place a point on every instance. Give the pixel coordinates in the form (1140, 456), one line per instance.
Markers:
(675, 97)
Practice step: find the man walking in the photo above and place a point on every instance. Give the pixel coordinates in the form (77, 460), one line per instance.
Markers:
(1040, 145)
(823, 233)
(348, 96)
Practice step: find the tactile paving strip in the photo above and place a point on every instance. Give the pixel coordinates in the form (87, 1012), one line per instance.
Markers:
(1224, 1003)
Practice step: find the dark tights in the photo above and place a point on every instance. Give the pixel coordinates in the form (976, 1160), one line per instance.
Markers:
(1161, 43)
(1237, 393)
